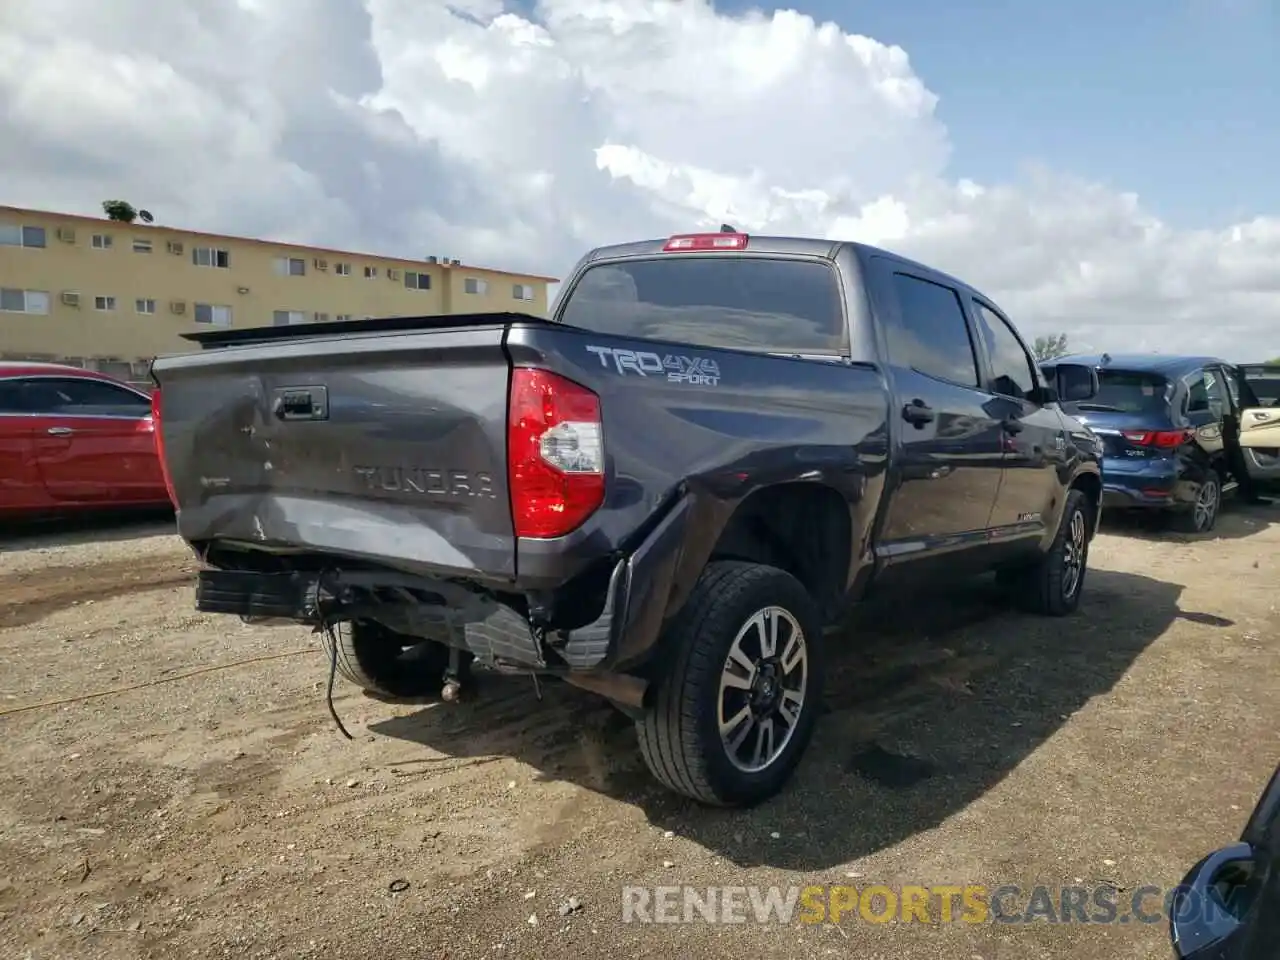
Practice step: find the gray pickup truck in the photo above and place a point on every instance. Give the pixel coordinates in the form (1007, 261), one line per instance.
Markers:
(664, 494)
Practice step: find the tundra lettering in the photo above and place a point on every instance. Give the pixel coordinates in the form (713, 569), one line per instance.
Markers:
(421, 480)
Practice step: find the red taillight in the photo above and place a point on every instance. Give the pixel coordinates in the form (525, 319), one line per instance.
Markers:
(555, 453)
(706, 241)
(1165, 439)
(158, 433)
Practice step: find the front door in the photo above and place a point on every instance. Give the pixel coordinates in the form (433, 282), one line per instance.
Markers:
(1256, 431)
(1033, 437)
(93, 440)
(948, 444)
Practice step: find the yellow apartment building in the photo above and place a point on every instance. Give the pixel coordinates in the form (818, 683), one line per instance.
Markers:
(112, 295)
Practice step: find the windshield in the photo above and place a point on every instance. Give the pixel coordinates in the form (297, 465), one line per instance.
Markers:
(742, 303)
(1127, 391)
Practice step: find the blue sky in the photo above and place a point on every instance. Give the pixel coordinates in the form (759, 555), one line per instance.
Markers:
(1178, 100)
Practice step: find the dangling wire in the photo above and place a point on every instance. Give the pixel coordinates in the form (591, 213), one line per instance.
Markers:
(332, 635)
(538, 635)
(326, 627)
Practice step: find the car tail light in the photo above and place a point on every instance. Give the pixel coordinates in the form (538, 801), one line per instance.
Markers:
(156, 414)
(555, 453)
(706, 241)
(1164, 439)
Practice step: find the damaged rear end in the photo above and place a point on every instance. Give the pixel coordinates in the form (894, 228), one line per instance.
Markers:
(390, 475)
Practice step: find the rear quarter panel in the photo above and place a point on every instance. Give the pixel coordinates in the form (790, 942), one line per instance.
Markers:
(740, 423)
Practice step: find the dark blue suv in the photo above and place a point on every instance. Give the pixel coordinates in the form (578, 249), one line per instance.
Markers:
(1172, 429)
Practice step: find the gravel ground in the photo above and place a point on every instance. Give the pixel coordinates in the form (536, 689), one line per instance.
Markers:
(171, 785)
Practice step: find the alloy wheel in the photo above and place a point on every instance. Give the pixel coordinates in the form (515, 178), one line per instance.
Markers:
(762, 689)
(1073, 554)
(1206, 507)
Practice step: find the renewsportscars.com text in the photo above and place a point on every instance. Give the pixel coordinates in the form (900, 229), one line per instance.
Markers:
(878, 903)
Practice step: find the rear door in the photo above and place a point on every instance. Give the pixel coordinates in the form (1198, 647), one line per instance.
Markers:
(949, 449)
(93, 441)
(1259, 429)
(21, 487)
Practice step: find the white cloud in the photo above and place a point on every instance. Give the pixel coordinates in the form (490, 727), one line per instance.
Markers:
(470, 130)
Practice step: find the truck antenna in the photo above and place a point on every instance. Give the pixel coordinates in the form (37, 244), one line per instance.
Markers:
(725, 228)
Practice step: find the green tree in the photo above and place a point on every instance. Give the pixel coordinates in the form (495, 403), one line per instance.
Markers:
(1050, 347)
(119, 210)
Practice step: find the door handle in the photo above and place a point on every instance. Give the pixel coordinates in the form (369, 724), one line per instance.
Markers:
(1011, 427)
(60, 431)
(917, 413)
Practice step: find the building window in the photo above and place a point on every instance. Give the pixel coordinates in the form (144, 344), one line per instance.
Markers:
(104, 303)
(286, 318)
(342, 317)
(211, 257)
(144, 305)
(522, 291)
(342, 269)
(16, 235)
(417, 281)
(141, 246)
(370, 273)
(213, 314)
(321, 317)
(24, 301)
(102, 241)
(291, 266)
(475, 285)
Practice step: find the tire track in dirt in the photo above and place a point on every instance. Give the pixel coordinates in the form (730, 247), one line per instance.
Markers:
(30, 596)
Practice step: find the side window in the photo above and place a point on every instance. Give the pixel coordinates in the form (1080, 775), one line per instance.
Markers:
(11, 397)
(1012, 374)
(932, 336)
(1197, 393)
(1217, 392)
(83, 398)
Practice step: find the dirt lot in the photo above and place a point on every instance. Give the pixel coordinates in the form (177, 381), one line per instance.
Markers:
(220, 814)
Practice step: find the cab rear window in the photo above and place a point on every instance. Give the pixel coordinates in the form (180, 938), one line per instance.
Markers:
(741, 303)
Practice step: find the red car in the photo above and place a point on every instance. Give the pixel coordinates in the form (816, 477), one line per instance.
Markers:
(73, 439)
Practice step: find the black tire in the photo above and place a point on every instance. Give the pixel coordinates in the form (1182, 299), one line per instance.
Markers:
(1047, 587)
(387, 663)
(680, 733)
(1202, 517)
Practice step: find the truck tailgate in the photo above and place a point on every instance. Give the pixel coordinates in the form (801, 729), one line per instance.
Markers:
(389, 446)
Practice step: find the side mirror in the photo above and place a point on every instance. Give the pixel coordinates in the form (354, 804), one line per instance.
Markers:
(1073, 382)
(1228, 906)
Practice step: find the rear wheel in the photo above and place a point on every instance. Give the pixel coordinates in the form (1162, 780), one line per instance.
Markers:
(387, 663)
(732, 717)
(1203, 515)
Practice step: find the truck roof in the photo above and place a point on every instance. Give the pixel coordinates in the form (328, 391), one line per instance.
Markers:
(756, 245)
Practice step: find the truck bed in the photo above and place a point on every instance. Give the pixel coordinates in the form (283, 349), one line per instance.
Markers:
(385, 442)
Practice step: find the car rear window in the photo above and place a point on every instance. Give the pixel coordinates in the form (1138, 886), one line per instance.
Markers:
(743, 303)
(1131, 392)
